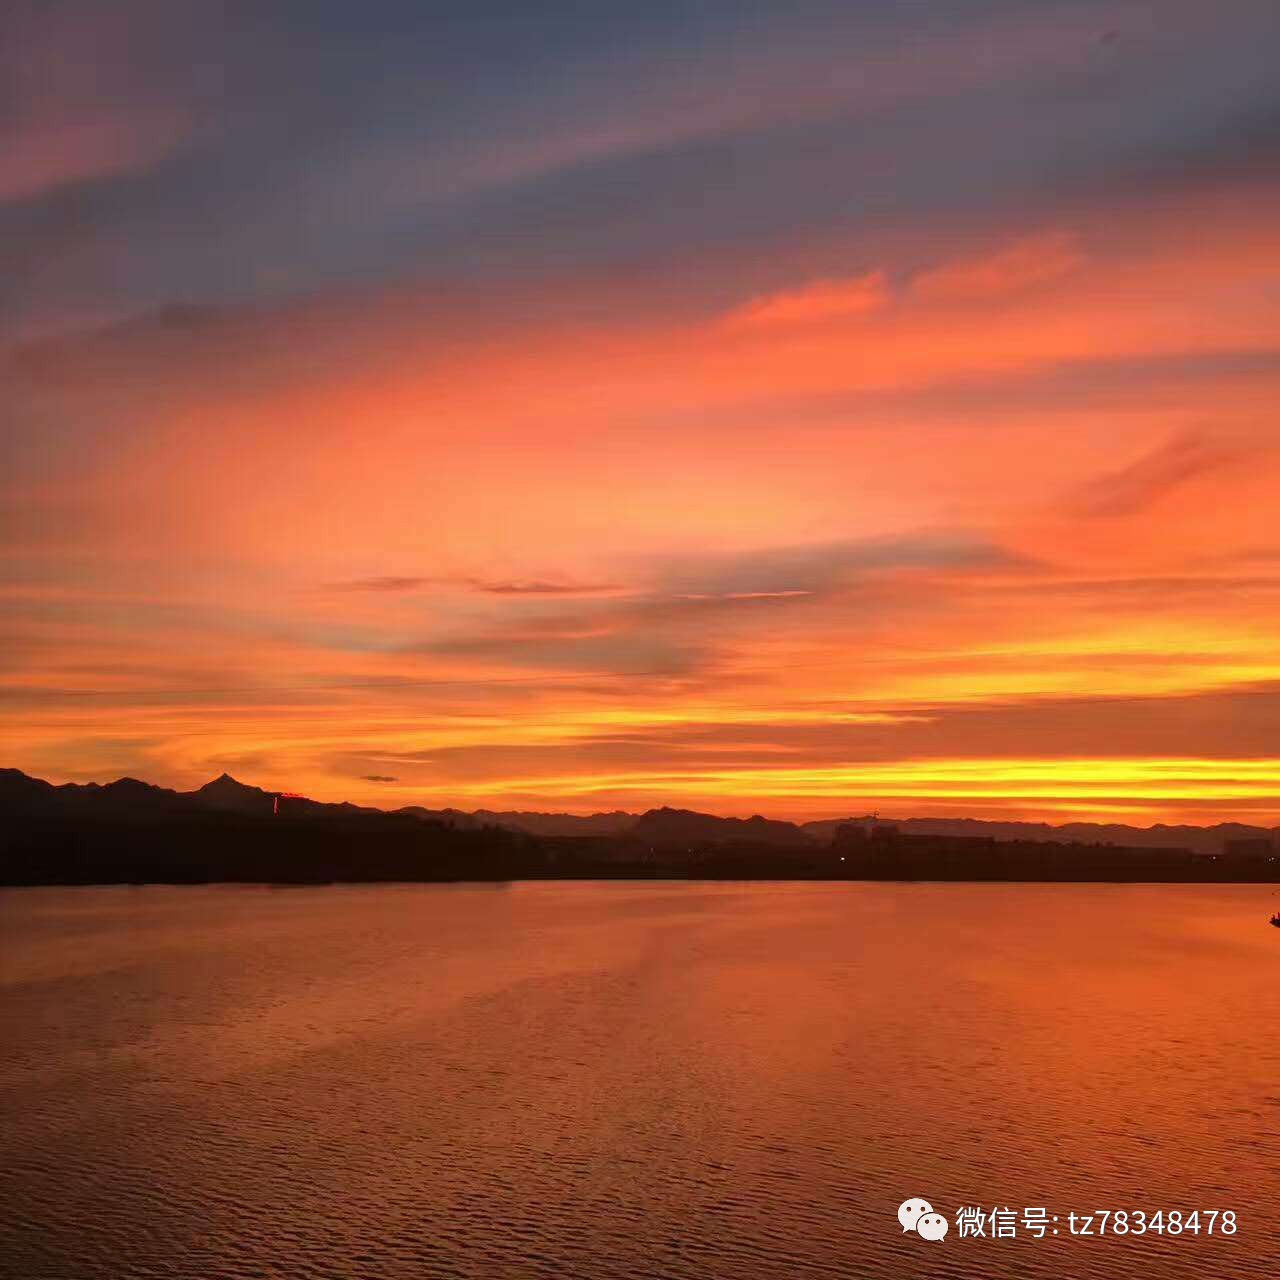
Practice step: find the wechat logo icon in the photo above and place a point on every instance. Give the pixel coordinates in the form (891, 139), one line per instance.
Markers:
(917, 1215)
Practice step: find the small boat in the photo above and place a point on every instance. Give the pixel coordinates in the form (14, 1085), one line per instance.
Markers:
(1275, 919)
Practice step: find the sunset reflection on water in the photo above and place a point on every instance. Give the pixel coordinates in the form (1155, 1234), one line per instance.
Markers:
(677, 1079)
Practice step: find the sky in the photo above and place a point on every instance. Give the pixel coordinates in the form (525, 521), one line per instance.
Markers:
(805, 408)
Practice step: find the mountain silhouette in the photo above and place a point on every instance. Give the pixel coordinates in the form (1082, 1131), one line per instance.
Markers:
(134, 833)
(559, 824)
(225, 793)
(22, 794)
(130, 831)
(674, 827)
(1206, 840)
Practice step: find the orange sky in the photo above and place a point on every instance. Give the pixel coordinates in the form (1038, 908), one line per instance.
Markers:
(958, 500)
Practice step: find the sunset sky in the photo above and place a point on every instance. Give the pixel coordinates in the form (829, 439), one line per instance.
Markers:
(799, 408)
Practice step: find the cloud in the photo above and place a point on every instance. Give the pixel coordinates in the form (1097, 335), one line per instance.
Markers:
(1219, 724)
(538, 588)
(388, 584)
(624, 654)
(807, 570)
(813, 303)
(623, 393)
(378, 777)
(87, 94)
(58, 153)
(1142, 483)
(743, 595)
(856, 117)
(1034, 260)
(393, 584)
(694, 609)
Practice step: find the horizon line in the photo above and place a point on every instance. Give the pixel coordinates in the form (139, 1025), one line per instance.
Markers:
(800, 824)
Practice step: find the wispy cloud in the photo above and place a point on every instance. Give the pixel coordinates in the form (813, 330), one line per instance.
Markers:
(1156, 474)
(806, 570)
(91, 93)
(541, 588)
(819, 301)
(1034, 260)
(744, 595)
(393, 584)
(390, 584)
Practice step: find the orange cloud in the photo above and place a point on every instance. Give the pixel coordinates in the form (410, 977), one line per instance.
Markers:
(858, 532)
(1035, 260)
(1158, 473)
(819, 301)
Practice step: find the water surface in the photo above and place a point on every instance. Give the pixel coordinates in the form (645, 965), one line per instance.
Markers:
(631, 1079)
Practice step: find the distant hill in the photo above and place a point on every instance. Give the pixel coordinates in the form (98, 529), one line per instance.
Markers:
(21, 795)
(27, 796)
(560, 824)
(24, 796)
(531, 823)
(130, 832)
(1200, 839)
(455, 818)
(672, 827)
(227, 795)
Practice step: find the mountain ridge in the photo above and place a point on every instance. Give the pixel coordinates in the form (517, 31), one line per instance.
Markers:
(22, 793)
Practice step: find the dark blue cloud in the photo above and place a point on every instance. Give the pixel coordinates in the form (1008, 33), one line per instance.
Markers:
(326, 145)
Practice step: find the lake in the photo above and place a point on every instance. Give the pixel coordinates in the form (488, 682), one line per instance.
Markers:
(634, 1079)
